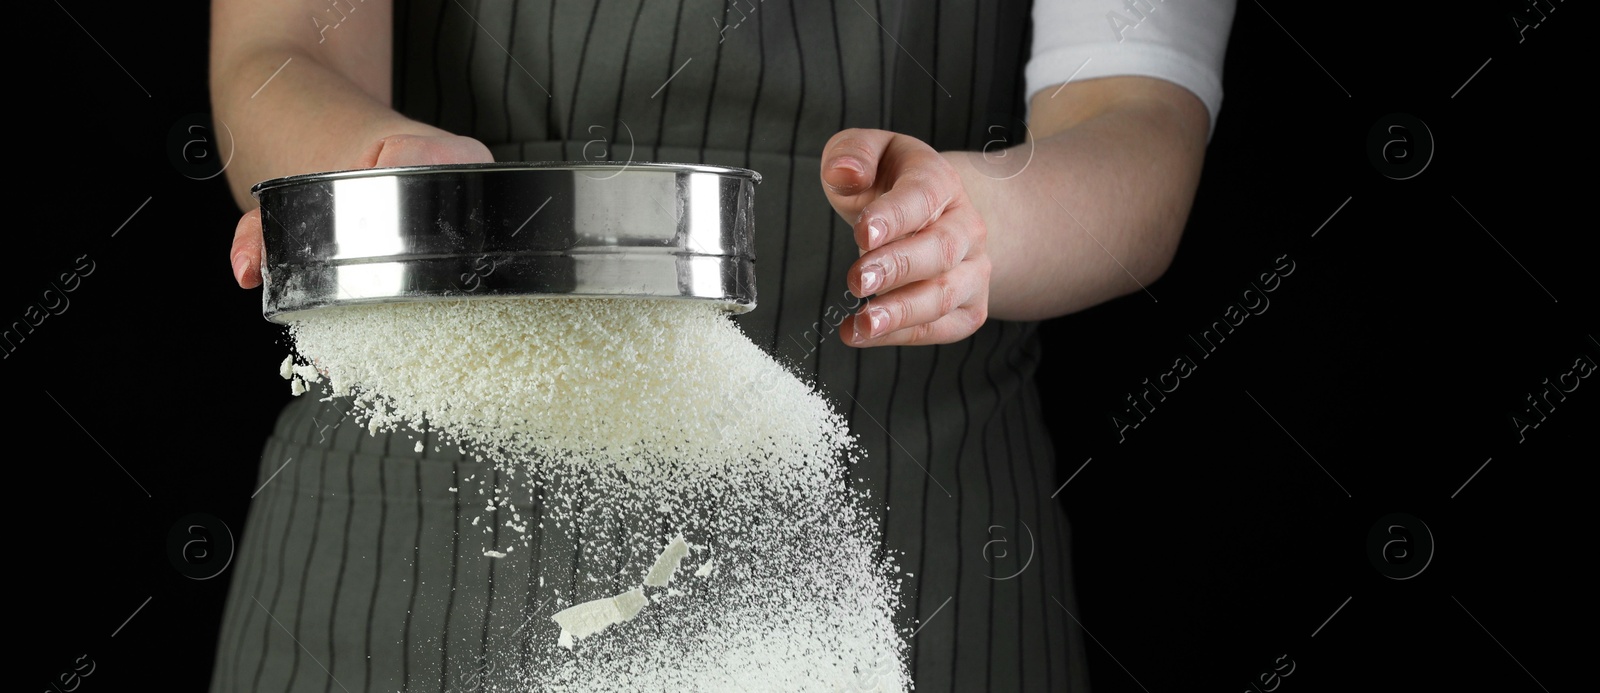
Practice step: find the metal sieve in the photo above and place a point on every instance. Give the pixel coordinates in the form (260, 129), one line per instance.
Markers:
(626, 230)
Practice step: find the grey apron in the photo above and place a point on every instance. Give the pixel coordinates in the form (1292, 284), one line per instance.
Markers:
(353, 558)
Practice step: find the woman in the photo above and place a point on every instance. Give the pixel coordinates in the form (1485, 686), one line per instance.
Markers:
(987, 166)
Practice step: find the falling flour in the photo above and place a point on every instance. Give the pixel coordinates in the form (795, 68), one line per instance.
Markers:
(666, 564)
(616, 428)
(593, 616)
(706, 568)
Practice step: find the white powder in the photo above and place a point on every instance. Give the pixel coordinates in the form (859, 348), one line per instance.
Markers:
(418, 448)
(628, 417)
(286, 369)
(593, 616)
(666, 564)
(706, 568)
(308, 373)
(665, 391)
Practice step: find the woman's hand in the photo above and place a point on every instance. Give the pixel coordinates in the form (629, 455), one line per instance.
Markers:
(395, 150)
(923, 248)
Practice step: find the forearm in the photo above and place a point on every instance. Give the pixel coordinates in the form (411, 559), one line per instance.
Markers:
(321, 110)
(1096, 213)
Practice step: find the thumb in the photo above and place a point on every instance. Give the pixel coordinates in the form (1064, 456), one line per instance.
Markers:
(850, 162)
(424, 150)
(245, 255)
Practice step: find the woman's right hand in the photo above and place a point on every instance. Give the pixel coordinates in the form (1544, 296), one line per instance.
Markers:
(395, 150)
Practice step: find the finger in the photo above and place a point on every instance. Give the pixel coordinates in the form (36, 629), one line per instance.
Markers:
(873, 179)
(850, 168)
(245, 255)
(414, 150)
(915, 306)
(424, 150)
(924, 187)
(932, 252)
(960, 324)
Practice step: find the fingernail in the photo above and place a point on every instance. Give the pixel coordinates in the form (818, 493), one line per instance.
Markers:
(877, 319)
(875, 233)
(871, 279)
(849, 164)
(240, 264)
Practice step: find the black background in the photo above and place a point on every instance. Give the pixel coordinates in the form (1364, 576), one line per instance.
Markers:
(1207, 543)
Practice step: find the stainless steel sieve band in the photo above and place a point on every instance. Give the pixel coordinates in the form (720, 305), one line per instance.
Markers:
(631, 230)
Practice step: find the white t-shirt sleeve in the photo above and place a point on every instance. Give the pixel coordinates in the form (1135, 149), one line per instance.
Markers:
(1181, 41)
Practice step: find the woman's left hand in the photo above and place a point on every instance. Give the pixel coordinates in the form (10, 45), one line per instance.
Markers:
(924, 259)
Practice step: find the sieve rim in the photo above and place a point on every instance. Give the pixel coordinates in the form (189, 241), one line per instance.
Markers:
(396, 234)
(302, 178)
